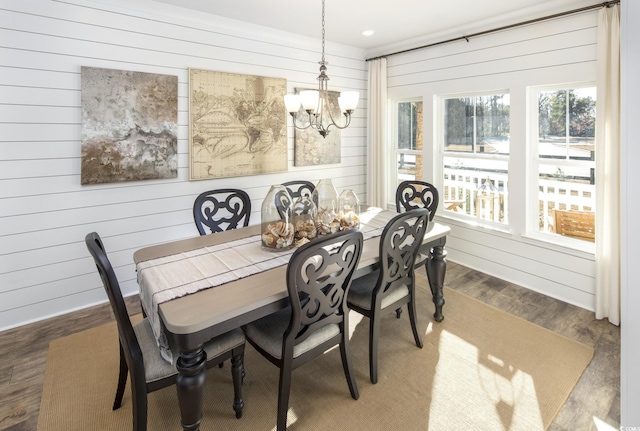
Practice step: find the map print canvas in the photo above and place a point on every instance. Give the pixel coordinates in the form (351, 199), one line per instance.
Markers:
(237, 125)
(129, 126)
(310, 147)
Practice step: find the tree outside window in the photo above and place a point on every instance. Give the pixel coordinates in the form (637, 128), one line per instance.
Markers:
(566, 120)
(408, 147)
(477, 124)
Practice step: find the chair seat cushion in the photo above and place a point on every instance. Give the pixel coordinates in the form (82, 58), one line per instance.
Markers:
(361, 292)
(157, 368)
(268, 334)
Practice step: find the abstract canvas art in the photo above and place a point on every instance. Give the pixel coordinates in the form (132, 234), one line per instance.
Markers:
(237, 125)
(310, 148)
(129, 126)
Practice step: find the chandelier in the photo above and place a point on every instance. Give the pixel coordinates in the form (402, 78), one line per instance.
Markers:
(316, 104)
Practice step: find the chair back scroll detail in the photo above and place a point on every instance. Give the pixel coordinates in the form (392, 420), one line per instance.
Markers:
(417, 194)
(283, 202)
(318, 280)
(399, 245)
(221, 209)
(300, 188)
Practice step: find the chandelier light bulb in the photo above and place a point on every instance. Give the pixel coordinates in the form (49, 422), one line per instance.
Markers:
(309, 99)
(348, 101)
(292, 103)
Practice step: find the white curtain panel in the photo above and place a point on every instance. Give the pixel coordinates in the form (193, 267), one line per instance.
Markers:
(377, 133)
(608, 166)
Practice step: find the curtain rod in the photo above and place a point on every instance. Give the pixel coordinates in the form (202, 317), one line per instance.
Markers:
(531, 21)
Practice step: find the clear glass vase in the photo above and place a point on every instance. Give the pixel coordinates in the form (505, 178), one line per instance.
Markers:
(325, 197)
(277, 220)
(304, 220)
(349, 205)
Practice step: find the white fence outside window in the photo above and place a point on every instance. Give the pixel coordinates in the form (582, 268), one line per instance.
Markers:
(460, 193)
(563, 195)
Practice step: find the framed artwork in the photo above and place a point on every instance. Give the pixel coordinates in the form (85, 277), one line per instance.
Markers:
(237, 125)
(129, 126)
(310, 148)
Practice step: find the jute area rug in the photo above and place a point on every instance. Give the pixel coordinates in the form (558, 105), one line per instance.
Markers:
(480, 369)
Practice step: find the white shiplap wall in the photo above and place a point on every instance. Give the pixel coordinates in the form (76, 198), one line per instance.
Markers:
(45, 269)
(561, 50)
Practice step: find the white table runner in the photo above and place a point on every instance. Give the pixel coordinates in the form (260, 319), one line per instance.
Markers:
(170, 277)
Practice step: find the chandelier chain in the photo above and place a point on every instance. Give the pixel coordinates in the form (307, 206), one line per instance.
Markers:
(323, 62)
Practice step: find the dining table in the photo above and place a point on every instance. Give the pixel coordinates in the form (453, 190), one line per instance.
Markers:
(197, 288)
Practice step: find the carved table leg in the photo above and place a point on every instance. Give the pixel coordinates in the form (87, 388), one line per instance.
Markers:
(436, 268)
(190, 386)
(237, 368)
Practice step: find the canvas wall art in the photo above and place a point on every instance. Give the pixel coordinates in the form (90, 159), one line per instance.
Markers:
(237, 125)
(129, 126)
(310, 147)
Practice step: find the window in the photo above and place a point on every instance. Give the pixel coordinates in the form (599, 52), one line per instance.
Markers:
(564, 172)
(408, 143)
(475, 156)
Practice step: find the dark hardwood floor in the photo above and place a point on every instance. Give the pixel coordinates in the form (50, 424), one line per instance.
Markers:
(596, 397)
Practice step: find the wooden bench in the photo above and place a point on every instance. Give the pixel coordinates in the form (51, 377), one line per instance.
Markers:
(576, 224)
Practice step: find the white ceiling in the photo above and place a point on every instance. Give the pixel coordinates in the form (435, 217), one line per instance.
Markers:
(397, 23)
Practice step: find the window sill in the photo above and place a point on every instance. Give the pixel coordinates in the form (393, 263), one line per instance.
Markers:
(473, 222)
(576, 247)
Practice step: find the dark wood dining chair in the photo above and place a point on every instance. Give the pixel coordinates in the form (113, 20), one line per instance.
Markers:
(299, 188)
(417, 194)
(318, 279)
(221, 209)
(393, 284)
(140, 357)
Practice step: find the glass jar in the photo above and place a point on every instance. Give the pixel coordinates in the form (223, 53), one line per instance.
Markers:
(304, 220)
(277, 220)
(349, 210)
(325, 197)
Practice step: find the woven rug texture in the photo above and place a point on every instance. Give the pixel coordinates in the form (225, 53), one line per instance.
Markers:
(480, 369)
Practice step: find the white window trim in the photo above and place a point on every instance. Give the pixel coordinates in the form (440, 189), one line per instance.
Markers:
(533, 162)
(439, 155)
(392, 150)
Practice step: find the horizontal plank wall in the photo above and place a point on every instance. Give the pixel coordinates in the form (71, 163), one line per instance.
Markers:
(557, 51)
(45, 213)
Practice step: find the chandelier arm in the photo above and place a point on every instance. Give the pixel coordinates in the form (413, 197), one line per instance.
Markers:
(295, 123)
(338, 126)
(333, 121)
